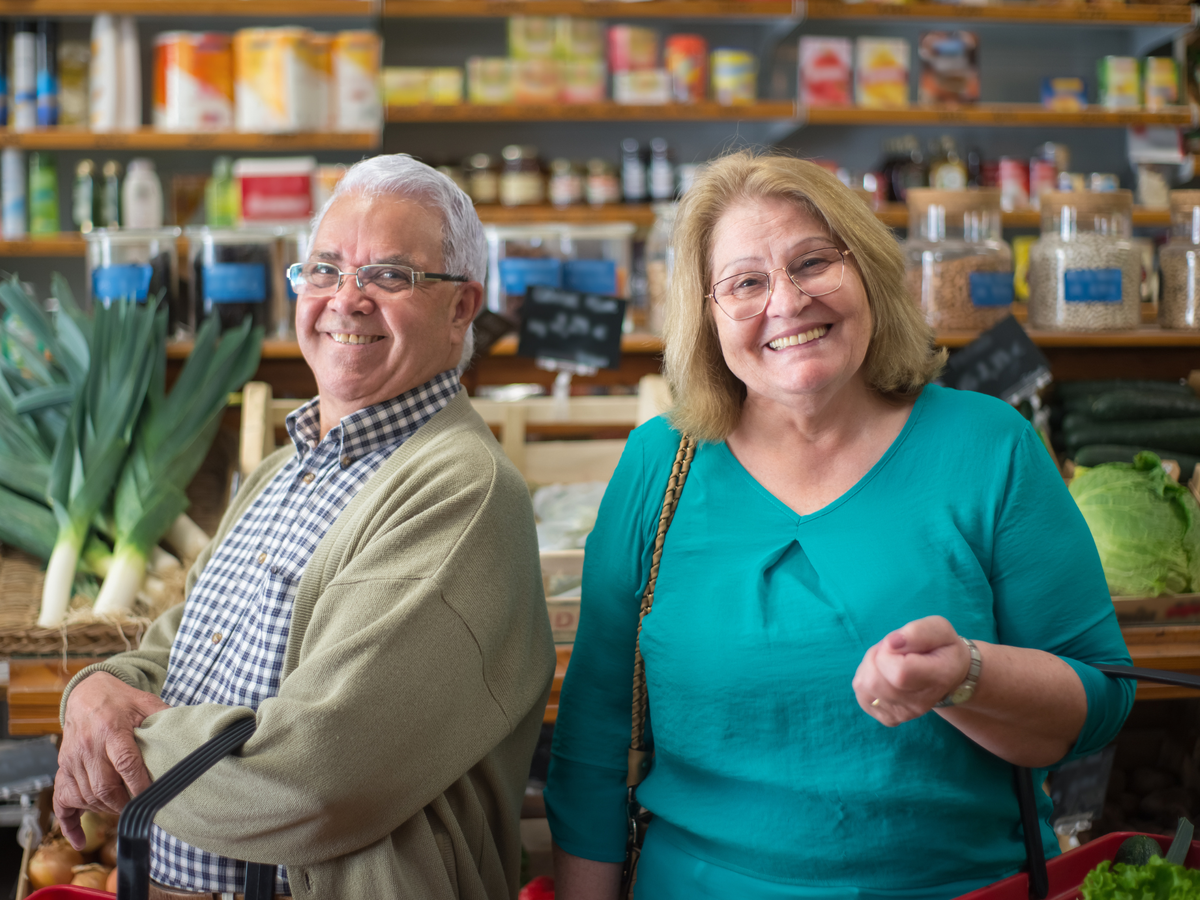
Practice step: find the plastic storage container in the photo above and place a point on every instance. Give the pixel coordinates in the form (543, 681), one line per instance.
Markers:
(138, 264)
(235, 275)
(293, 248)
(1084, 273)
(957, 266)
(1178, 303)
(589, 258)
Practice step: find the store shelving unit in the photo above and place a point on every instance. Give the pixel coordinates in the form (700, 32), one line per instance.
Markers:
(194, 8)
(150, 139)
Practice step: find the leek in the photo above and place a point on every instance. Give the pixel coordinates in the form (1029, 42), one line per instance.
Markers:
(99, 431)
(172, 438)
(188, 538)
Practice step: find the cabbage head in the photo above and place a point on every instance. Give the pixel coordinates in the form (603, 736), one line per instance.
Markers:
(1145, 524)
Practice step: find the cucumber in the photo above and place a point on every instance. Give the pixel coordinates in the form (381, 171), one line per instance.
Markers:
(1180, 435)
(1073, 421)
(1065, 389)
(1095, 454)
(1119, 405)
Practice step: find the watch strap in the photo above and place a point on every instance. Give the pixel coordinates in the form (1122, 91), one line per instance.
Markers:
(966, 690)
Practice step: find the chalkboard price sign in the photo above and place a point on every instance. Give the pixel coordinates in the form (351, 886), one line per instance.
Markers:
(1002, 361)
(573, 327)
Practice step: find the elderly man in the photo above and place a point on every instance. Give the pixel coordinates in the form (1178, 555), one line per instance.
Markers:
(372, 598)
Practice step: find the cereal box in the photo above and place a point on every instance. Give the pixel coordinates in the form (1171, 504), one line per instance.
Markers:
(881, 73)
(1160, 80)
(949, 67)
(1120, 82)
(825, 71)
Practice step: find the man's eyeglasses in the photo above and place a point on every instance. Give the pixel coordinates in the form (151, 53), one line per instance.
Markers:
(816, 273)
(379, 282)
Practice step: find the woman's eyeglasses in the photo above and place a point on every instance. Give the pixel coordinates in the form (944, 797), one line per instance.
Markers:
(816, 273)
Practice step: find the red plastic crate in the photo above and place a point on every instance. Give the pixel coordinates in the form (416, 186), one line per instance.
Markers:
(69, 892)
(1068, 871)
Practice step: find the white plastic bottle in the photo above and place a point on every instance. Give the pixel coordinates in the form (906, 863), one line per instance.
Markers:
(24, 77)
(104, 74)
(129, 106)
(141, 196)
(12, 193)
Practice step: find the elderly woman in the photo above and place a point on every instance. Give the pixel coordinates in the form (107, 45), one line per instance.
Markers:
(876, 595)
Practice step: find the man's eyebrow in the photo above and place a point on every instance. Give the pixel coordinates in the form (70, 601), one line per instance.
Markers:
(397, 259)
(331, 255)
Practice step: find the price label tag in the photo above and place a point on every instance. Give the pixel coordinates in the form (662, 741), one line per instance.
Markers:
(571, 326)
(1002, 361)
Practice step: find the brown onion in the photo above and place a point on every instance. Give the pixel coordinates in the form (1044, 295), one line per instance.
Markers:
(111, 884)
(52, 862)
(95, 831)
(108, 853)
(92, 875)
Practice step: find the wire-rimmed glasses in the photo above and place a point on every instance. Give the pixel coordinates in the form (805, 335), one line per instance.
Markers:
(379, 281)
(815, 273)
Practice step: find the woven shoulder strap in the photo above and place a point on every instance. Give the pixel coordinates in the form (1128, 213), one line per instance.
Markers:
(639, 757)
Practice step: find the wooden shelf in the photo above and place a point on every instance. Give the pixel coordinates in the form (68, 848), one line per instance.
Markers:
(640, 214)
(1175, 648)
(895, 215)
(591, 112)
(995, 114)
(67, 243)
(154, 8)
(1065, 13)
(149, 139)
(1150, 336)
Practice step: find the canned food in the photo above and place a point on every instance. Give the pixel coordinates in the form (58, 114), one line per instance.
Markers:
(734, 77)
(193, 81)
(687, 63)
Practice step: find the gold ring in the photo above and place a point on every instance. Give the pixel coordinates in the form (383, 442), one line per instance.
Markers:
(875, 702)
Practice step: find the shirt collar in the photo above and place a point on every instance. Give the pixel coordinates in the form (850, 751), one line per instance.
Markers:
(372, 428)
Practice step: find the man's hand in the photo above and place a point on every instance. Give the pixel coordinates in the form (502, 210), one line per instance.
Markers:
(99, 765)
(905, 674)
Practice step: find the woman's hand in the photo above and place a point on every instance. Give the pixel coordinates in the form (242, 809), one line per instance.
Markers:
(910, 670)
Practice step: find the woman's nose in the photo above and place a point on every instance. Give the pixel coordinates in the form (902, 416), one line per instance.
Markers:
(785, 298)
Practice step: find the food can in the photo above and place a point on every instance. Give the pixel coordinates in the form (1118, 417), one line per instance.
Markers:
(734, 77)
(356, 103)
(193, 81)
(631, 48)
(271, 79)
(1014, 183)
(687, 62)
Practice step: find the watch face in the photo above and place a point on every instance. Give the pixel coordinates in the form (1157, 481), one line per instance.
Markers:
(962, 695)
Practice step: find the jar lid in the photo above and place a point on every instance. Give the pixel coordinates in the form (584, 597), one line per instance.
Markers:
(480, 161)
(599, 166)
(561, 166)
(519, 151)
(1088, 201)
(957, 201)
(1184, 199)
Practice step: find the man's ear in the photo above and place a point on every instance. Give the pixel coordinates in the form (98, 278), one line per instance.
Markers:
(468, 304)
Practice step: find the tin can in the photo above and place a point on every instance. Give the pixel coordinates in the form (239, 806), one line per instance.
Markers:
(272, 79)
(356, 104)
(193, 81)
(734, 77)
(1014, 183)
(687, 63)
(318, 53)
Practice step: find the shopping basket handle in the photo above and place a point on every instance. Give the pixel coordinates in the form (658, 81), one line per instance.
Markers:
(133, 829)
(1039, 879)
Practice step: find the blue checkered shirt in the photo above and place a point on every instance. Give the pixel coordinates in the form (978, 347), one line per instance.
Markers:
(231, 642)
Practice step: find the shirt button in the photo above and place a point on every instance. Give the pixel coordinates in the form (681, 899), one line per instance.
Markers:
(346, 460)
(217, 637)
(274, 570)
(262, 558)
(308, 477)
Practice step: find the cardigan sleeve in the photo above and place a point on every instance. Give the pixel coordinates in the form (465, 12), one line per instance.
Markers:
(585, 790)
(1050, 591)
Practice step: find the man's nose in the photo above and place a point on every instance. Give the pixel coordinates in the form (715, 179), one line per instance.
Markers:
(350, 296)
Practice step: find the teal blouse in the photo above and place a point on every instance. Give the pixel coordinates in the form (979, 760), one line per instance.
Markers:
(768, 779)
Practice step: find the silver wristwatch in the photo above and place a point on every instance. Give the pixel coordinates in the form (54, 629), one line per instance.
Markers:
(966, 690)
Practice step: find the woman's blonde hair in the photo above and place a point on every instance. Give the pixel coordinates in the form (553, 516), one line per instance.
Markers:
(901, 357)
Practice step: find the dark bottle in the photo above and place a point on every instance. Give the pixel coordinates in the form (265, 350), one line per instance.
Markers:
(633, 172)
(662, 172)
(110, 196)
(47, 72)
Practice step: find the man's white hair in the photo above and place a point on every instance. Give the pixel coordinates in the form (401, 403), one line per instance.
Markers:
(464, 248)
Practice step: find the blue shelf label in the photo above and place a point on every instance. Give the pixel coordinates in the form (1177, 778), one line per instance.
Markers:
(127, 282)
(235, 283)
(1092, 285)
(590, 276)
(991, 288)
(520, 273)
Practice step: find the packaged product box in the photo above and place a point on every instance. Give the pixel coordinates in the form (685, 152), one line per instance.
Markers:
(825, 71)
(686, 57)
(535, 80)
(583, 81)
(881, 72)
(1160, 81)
(734, 76)
(631, 48)
(490, 79)
(276, 191)
(356, 62)
(193, 81)
(949, 67)
(1119, 82)
(578, 38)
(405, 85)
(271, 79)
(643, 87)
(319, 58)
(445, 85)
(530, 37)
(1066, 94)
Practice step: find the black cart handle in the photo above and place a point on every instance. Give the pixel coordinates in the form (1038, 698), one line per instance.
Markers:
(1039, 878)
(133, 829)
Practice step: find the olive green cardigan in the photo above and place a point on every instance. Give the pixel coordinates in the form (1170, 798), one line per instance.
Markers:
(393, 761)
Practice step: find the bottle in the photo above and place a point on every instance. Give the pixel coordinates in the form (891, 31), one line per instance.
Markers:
(220, 199)
(84, 197)
(24, 76)
(110, 196)
(633, 172)
(104, 75)
(947, 170)
(47, 73)
(662, 173)
(43, 193)
(3, 74)
(141, 196)
(521, 180)
(12, 193)
(129, 102)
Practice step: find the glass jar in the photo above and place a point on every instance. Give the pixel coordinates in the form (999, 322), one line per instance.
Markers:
(602, 185)
(234, 276)
(660, 260)
(521, 181)
(566, 183)
(959, 270)
(1084, 273)
(483, 179)
(1179, 305)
